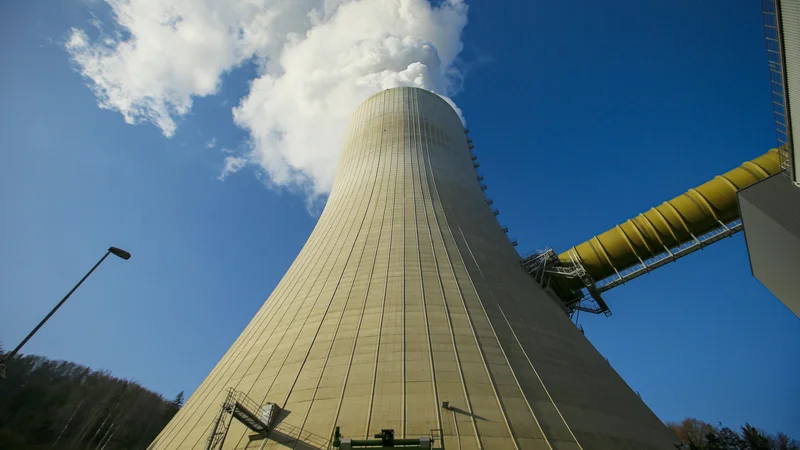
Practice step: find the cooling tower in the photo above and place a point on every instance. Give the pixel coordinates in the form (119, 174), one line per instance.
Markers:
(407, 296)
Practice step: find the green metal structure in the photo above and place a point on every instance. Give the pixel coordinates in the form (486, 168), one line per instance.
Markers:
(384, 439)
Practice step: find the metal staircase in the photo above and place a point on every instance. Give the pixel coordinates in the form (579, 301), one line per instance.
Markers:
(239, 406)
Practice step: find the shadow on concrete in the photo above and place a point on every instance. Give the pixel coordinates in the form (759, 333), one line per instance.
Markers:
(467, 413)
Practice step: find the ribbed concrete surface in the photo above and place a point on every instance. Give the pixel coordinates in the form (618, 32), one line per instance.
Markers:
(408, 294)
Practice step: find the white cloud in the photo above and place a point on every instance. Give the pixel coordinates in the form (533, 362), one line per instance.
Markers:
(317, 60)
(212, 143)
(233, 164)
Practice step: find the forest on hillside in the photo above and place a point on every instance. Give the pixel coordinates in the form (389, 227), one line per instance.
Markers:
(698, 435)
(47, 404)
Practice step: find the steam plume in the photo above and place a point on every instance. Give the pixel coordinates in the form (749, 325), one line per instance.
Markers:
(317, 60)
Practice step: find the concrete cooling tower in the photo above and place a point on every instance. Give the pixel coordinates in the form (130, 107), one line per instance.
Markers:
(408, 310)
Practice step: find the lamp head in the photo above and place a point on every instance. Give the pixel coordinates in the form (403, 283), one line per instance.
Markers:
(119, 252)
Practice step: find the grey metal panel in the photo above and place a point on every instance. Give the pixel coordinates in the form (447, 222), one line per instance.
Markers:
(778, 199)
(771, 216)
(790, 28)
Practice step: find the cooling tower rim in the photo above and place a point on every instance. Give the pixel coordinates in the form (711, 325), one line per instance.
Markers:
(411, 87)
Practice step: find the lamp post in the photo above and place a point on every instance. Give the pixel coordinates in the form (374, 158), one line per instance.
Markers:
(111, 250)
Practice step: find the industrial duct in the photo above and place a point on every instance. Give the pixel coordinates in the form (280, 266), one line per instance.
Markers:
(671, 224)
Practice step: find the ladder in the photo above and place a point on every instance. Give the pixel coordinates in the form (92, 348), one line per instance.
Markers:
(239, 406)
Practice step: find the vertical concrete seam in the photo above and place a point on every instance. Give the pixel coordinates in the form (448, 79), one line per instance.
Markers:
(421, 170)
(224, 366)
(477, 341)
(365, 163)
(536, 372)
(447, 309)
(383, 195)
(494, 333)
(406, 150)
(342, 222)
(352, 283)
(334, 247)
(396, 168)
(483, 357)
(538, 377)
(317, 246)
(425, 149)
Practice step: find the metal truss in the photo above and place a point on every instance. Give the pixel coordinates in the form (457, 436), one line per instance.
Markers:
(562, 276)
(239, 406)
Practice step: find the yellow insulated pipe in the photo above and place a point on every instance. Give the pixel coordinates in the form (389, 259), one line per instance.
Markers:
(672, 223)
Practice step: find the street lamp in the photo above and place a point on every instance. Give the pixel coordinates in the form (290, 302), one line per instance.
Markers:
(111, 250)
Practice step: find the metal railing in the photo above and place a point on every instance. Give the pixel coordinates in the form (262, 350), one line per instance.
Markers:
(777, 79)
(669, 255)
(239, 406)
(583, 292)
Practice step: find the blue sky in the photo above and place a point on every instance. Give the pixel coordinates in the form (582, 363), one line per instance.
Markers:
(583, 115)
